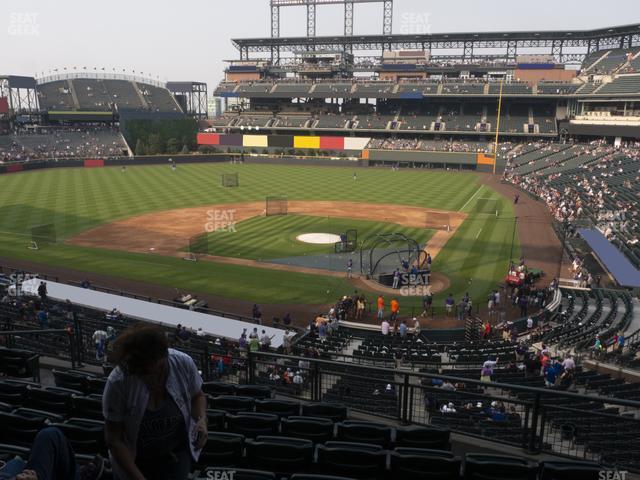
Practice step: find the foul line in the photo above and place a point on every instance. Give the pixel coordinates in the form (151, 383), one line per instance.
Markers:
(472, 197)
(479, 232)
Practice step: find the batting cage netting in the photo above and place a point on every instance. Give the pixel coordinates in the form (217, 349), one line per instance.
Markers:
(276, 206)
(348, 242)
(198, 245)
(42, 236)
(490, 206)
(438, 221)
(230, 180)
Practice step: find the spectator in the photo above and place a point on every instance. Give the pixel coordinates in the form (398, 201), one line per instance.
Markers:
(43, 318)
(42, 292)
(265, 341)
(487, 370)
(416, 327)
(384, 327)
(448, 304)
(256, 313)
(380, 307)
(154, 408)
(427, 300)
(286, 342)
(99, 340)
(395, 310)
(51, 458)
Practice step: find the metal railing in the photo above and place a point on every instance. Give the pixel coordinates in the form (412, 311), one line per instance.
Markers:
(535, 419)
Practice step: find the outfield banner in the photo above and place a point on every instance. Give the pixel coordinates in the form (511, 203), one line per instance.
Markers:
(93, 163)
(332, 143)
(231, 140)
(255, 141)
(14, 168)
(281, 141)
(208, 139)
(306, 142)
(484, 159)
(358, 143)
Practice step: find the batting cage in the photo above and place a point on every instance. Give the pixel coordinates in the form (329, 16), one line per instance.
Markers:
(230, 180)
(438, 221)
(348, 242)
(489, 206)
(382, 254)
(198, 245)
(276, 206)
(42, 236)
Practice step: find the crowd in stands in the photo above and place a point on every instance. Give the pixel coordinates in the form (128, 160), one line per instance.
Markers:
(62, 143)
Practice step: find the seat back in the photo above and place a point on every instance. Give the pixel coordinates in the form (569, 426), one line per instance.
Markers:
(318, 430)
(18, 430)
(282, 408)
(280, 454)
(433, 438)
(222, 450)
(216, 389)
(352, 460)
(570, 471)
(253, 424)
(364, 432)
(231, 404)
(259, 392)
(335, 411)
(498, 467)
(411, 463)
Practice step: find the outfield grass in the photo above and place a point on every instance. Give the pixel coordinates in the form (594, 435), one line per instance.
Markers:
(268, 238)
(78, 199)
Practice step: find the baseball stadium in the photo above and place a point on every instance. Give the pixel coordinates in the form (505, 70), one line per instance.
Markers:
(402, 255)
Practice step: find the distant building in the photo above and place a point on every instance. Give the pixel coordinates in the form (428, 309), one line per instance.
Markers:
(215, 106)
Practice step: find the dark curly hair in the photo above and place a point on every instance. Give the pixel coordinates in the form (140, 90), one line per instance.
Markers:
(139, 347)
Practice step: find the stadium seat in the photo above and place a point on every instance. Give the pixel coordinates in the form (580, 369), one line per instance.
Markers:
(280, 454)
(335, 411)
(570, 471)
(13, 393)
(253, 424)
(88, 407)
(236, 474)
(231, 404)
(216, 419)
(9, 452)
(412, 463)
(222, 450)
(6, 407)
(216, 389)
(357, 460)
(34, 413)
(86, 436)
(364, 432)
(259, 392)
(318, 430)
(19, 430)
(53, 399)
(95, 385)
(281, 408)
(498, 467)
(433, 438)
(19, 363)
(72, 380)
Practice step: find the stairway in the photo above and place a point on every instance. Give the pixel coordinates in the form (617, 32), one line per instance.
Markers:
(74, 96)
(143, 100)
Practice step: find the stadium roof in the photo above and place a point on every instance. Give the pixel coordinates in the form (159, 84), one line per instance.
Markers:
(610, 37)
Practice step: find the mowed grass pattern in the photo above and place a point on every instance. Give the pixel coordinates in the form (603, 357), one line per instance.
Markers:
(268, 238)
(78, 199)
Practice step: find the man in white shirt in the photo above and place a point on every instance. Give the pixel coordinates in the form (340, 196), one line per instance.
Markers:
(385, 327)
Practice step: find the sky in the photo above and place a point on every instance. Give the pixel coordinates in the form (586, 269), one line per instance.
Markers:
(190, 39)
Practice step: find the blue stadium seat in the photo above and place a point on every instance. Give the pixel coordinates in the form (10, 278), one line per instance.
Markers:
(357, 460)
(570, 470)
(364, 432)
(281, 408)
(231, 404)
(253, 424)
(222, 450)
(498, 467)
(423, 437)
(335, 411)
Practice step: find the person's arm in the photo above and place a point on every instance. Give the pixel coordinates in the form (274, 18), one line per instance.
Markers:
(199, 414)
(114, 436)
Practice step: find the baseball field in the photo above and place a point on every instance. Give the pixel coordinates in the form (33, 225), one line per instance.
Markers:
(136, 225)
